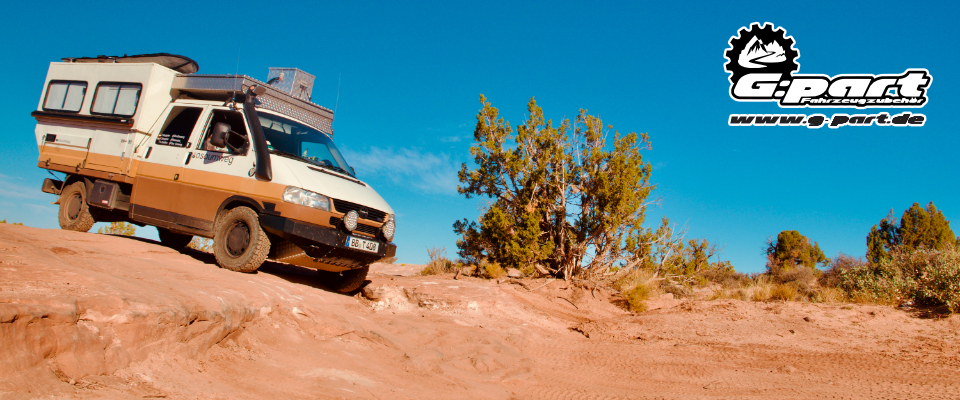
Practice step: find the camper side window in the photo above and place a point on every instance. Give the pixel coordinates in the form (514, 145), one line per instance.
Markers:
(116, 98)
(176, 130)
(65, 96)
(234, 120)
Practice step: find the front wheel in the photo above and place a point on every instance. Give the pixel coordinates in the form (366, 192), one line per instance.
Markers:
(239, 243)
(74, 213)
(346, 281)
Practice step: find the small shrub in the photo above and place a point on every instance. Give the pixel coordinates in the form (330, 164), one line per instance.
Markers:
(881, 283)
(934, 277)
(784, 291)
(726, 277)
(492, 270)
(830, 295)
(761, 289)
(118, 228)
(679, 291)
(636, 298)
(439, 263)
(388, 260)
(15, 223)
(842, 262)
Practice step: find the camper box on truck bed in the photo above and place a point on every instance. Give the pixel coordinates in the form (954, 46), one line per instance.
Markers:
(252, 165)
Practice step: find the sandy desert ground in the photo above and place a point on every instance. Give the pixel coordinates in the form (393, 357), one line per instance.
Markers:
(87, 316)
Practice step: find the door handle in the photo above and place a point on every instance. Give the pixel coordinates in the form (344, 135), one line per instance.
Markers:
(176, 177)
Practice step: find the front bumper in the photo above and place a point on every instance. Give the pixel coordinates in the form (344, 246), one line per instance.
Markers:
(317, 246)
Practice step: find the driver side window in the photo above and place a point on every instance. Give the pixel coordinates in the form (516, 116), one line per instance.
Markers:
(234, 120)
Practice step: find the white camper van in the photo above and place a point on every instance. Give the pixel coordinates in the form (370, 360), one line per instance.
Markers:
(252, 165)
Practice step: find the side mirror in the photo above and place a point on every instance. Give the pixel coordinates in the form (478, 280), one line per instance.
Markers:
(219, 135)
(236, 142)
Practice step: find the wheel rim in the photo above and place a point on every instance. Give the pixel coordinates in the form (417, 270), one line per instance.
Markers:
(238, 238)
(74, 206)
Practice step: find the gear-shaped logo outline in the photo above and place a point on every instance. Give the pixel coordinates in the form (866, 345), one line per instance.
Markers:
(739, 43)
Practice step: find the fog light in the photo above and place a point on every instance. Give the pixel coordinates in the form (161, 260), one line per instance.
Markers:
(350, 220)
(389, 229)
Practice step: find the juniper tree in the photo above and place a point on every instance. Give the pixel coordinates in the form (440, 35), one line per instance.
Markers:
(919, 228)
(565, 198)
(792, 249)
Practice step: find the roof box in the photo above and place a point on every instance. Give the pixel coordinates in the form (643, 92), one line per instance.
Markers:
(291, 81)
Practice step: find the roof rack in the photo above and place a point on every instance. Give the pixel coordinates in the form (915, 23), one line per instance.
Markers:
(226, 87)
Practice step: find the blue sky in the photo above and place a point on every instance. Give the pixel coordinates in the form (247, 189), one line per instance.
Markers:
(410, 76)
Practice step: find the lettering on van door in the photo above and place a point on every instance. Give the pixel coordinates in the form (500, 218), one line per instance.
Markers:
(172, 139)
(211, 157)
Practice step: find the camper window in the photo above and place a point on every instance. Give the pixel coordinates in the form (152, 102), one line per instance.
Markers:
(176, 130)
(65, 96)
(232, 118)
(116, 98)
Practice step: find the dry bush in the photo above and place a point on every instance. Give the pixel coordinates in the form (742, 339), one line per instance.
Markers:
(761, 288)
(118, 228)
(784, 291)
(742, 294)
(842, 262)
(12, 223)
(830, 295)
(637, 287)
(439, 263)
(679, 291)
(388, 260)
(726, 277)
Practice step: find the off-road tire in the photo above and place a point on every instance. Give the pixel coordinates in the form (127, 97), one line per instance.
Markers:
(239, 243)
(75, 213)
(346, 281)
(172, 239)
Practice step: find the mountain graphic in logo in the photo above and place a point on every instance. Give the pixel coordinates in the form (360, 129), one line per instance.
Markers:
(761, 49)
(759, 54)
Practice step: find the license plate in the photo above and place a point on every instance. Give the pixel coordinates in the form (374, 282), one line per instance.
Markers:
(361, 244)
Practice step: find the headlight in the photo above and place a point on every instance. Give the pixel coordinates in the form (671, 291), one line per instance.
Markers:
(307, 198)
(389, 228)
(350, 220)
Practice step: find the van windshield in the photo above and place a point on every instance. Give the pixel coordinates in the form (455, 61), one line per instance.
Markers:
(296, 140)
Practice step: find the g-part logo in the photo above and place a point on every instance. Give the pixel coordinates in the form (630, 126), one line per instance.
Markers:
(762, 62)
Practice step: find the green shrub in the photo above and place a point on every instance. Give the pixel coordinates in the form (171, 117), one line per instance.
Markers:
(881, 283)
(492, 270)
(934, 277)
(14, 223)
(636, 298)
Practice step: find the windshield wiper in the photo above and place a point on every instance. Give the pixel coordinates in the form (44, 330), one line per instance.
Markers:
(288, 155)
(296, 157)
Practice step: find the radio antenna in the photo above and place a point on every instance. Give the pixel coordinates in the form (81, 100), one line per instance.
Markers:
(236, 75)
(337, 103)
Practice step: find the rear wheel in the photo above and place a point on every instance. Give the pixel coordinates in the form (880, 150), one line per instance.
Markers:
(75, 214)
(172, 239)
(346, 281)
(239, 243)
